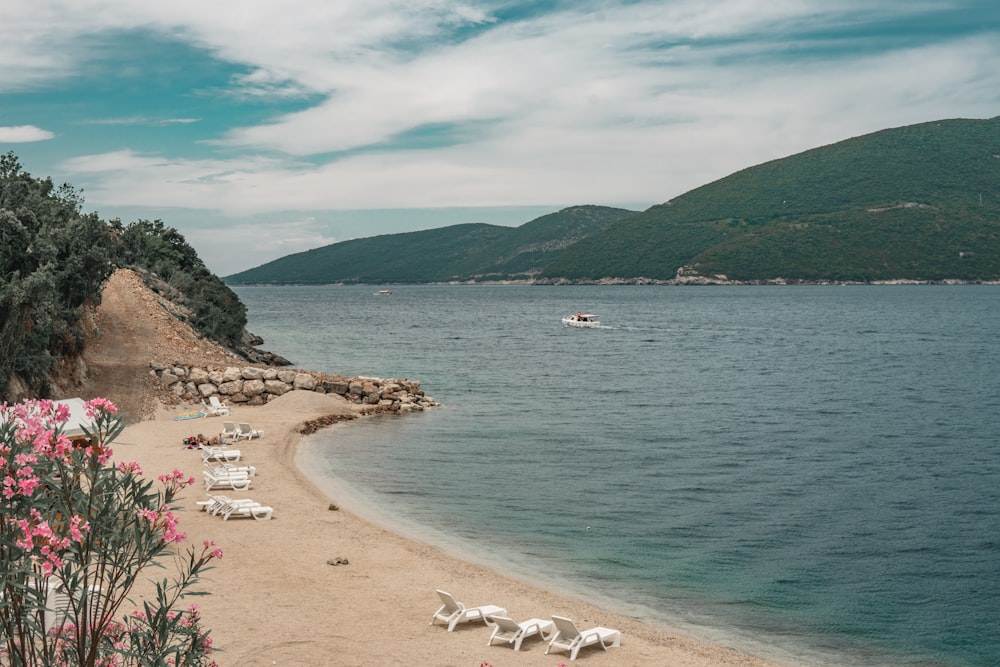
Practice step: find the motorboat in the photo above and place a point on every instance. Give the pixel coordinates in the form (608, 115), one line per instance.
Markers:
(585, 320)
(384, 292)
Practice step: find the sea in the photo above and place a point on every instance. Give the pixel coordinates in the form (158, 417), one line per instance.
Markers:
(810, 474)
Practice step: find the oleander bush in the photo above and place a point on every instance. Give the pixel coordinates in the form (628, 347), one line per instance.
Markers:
(78, 533)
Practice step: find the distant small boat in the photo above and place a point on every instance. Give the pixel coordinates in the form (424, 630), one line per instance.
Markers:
(584, 320)
(384, 292)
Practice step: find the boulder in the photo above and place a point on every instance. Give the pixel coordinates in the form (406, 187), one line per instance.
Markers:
(336, 387)
(230, 388)
(276, 387)
(253, 388)
(252, 373)
(198, 375)
(304, 381)
(232, 374)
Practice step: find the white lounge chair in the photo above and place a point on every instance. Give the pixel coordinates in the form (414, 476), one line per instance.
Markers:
(453, 612)
(224, 467)
(235, 481)
(219, 503)
(215, 407)
(512, 632)
(255, 510)
(568, 638)
(245, 431)
(229, 430)
(59, 606)
(219, 454)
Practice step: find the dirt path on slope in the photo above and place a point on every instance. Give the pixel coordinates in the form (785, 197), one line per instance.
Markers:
(132, 327)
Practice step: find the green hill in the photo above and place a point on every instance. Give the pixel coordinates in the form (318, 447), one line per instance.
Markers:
(920, 202)
(469, 252)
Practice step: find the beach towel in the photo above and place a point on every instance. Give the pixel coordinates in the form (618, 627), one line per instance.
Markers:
(193, 414)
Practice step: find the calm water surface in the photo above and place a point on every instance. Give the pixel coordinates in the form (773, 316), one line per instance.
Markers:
(807, 473)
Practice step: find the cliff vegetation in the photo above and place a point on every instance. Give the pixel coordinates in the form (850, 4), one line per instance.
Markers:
(54, 260)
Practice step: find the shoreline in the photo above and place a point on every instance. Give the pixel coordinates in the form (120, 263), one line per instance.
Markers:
(349, 498)
(275, 599)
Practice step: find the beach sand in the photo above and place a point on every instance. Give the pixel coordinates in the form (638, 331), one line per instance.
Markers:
(274, 600)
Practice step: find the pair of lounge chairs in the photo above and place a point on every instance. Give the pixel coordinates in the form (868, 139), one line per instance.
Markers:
(215, 407)
(560, 632)
(227, 508)
(231, 430)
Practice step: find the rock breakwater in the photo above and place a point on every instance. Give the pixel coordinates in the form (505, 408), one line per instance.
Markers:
(253, 385)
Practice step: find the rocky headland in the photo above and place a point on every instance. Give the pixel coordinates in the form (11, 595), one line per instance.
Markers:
(141, 355)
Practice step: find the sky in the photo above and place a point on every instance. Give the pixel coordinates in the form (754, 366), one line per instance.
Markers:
(260, 128)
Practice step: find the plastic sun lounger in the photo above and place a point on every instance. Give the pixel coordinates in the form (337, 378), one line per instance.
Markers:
(512, 632)
(255, 510)
(219, 454)
(216, 504)
(453, 612)
(245, 431)
(231, 468)
(59, 606)
(215, 407)
(569, 638)
(227, 507)
(234, 481)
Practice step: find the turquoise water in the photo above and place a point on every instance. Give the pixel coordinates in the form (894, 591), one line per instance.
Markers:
(808, 473)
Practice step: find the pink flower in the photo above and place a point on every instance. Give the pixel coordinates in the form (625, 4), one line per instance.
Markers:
(99, 405)
(212, 553)
(27, 486)
(76, 527)
(61, 413)
(176, 478)
(131, 468)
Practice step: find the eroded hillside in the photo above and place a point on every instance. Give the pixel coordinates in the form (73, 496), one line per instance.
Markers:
(131, 327)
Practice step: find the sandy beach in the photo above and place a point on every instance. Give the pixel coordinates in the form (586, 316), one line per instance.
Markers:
(275, 600)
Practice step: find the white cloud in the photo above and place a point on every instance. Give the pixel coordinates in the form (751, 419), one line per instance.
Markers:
(18, 134)
(646, 135)
(599, 103)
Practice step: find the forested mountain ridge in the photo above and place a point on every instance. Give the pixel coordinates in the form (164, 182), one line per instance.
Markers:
(915, 203)
(472, 252)
(920, 202)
